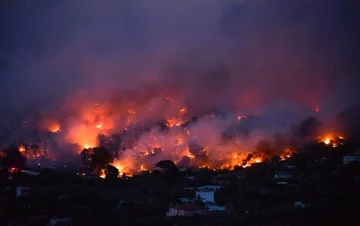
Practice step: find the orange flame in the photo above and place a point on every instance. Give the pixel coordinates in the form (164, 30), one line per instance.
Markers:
(22, 149)
(331, 139)
(102, 173)
(55, 128)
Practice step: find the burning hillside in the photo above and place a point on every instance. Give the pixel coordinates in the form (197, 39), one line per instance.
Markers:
(133, 139)
(147, 83)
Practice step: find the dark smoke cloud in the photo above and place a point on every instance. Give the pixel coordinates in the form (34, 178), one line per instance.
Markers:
(242, 54)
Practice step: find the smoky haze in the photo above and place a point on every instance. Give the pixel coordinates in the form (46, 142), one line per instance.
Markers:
(207, 53)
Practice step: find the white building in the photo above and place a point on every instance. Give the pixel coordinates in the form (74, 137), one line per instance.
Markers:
(206, 195)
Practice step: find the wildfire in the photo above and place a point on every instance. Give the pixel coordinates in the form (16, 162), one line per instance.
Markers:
(54, 128)
(174, 122)
(331, 140)
(286, 154)
(87, 146)
(126, 166)
(143, 168)
(131, 112)
(22, 149)
(102, 173)
(240, 117)
(127, 131)
(188, 154)
(182, 111)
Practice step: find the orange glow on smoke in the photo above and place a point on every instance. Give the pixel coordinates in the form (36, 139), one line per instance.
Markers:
(126, 165)
(83, 135)
(317, 109)
(54, 128)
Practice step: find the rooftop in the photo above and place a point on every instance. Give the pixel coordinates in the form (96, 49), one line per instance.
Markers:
(187, 206)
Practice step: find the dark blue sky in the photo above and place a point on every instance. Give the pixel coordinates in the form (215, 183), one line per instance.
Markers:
(233, 52)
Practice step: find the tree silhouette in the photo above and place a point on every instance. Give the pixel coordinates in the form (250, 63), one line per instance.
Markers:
(13, 158)
(111, 172)
(171, 172)
(275, 158)
(166, 164)
(100, 158)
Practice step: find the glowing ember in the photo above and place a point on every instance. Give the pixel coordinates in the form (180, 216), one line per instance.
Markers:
(174, 122)
(143, 168)
(22, 149)
(55, 129)
(131, 112)
(182, 111)
(241, 117)
(102, 174)
(99, 126)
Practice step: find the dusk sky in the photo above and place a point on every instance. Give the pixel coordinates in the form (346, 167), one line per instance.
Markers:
(242, 53)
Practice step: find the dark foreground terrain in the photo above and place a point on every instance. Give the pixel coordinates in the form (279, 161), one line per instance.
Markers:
(319, 190)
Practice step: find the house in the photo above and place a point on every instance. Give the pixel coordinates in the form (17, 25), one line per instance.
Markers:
(22, 191)
(30, 172)
(299, 205)
(282, 177)
(210, 187)
(206, 193)
(211, 207)
(351, 158)
(59, 222)
(186, 200)
(185, 210)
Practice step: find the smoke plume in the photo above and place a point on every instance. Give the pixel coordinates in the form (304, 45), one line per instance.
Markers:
(71, 71)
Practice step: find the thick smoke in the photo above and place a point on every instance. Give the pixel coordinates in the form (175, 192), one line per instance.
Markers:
(245, 53)
(76, 65)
